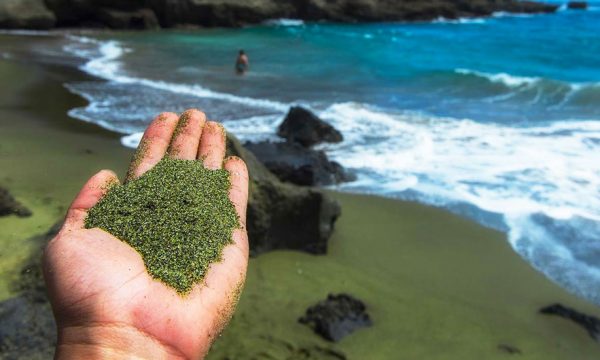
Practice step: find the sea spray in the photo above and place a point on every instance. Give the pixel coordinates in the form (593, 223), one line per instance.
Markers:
(178, 216)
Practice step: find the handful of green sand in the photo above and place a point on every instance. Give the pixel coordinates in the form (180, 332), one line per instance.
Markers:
(178, 216)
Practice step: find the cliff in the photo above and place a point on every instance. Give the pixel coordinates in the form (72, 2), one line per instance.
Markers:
(146, 14)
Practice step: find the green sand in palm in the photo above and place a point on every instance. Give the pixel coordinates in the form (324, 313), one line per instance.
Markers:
(178, 216)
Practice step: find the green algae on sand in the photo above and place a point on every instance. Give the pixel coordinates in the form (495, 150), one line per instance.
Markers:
(178, 216)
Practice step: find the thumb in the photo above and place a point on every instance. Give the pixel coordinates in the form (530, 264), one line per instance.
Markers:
(93, 190)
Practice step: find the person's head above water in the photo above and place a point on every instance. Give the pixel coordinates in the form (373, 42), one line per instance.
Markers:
(242, 52)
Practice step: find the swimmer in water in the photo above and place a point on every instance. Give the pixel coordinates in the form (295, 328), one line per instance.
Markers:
(241, 64)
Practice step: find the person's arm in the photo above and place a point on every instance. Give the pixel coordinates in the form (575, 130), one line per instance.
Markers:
(105, 303)
(111, 342)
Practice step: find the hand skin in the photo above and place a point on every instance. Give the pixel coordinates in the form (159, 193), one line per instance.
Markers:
(105, 303)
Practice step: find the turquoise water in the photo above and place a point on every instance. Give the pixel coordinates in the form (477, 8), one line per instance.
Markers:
(496, 119)
(486, 70)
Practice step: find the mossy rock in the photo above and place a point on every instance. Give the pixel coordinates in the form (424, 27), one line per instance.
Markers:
(281, 215)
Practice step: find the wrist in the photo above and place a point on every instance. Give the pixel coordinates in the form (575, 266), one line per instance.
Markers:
(111, 342)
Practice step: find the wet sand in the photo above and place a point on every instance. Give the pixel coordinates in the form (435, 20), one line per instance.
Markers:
(437, 286)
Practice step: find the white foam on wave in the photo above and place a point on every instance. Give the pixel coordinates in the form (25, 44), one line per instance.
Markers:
(562, 168)
(563, 93)
(104, 62)
(551, 171)
(505, 14)
(132, 140)
(284, 22)
(474, 20)
(509, 80)
(255, 128)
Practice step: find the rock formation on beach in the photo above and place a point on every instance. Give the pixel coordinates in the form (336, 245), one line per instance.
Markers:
(298, 165)
(337, 316)
(577, 5)
(590, 323)
(295, 160)
(25, 14)
(10, 206)
(305, 128)
(143, 14)
(281, 215)
(27, 327)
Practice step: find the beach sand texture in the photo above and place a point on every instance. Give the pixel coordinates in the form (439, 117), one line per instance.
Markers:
(436, 286)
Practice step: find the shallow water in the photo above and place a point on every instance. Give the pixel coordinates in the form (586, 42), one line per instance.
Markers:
(495, 119)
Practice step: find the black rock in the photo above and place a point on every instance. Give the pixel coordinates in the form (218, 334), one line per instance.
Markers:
(10, 206)
(27, 327)
(337, 316)
(588, 322)
(138, 19)
(25, 14)
(577, 5)
(299, 165)
(305, 128)
(509, 349)
(43, 14)
(283, 215)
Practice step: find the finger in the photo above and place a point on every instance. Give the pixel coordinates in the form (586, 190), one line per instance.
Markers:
(212, 145)
(93, 190)
(238, 192)
(153, 146)
(186, 138)
(223, 283)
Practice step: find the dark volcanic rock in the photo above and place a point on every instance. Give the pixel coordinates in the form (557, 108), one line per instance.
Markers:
(298, 165)
(139, 19)
(588, 322)
(25, 14)
(305, 128)
(115, 14)
(577, 5)
(407, 10)
(90, 12)
(234, 13)
(509, 349)
(9, 206)
(337, 316)
(284, 216)
(27, 327)
(227, 13)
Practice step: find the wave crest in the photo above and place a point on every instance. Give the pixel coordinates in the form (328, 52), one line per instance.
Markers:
(506, 79)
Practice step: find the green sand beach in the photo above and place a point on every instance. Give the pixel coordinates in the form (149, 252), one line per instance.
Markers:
(437, 286)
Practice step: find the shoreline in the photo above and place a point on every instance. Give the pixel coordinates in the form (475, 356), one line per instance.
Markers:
(70, 71)
(70, 66)
(437, 285)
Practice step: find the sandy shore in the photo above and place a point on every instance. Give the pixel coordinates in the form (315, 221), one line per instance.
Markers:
(45, 156)
(437, 286)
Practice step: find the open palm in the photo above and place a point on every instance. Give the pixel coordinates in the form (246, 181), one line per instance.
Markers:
(104, 301)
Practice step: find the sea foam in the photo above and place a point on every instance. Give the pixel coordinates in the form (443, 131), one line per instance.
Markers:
(512, 174)
(105, 64)
(501, 78)
(284, 22)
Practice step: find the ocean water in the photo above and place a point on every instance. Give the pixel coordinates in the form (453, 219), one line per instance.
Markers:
(496, 119)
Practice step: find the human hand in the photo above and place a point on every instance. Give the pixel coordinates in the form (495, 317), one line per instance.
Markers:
(105, 303)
